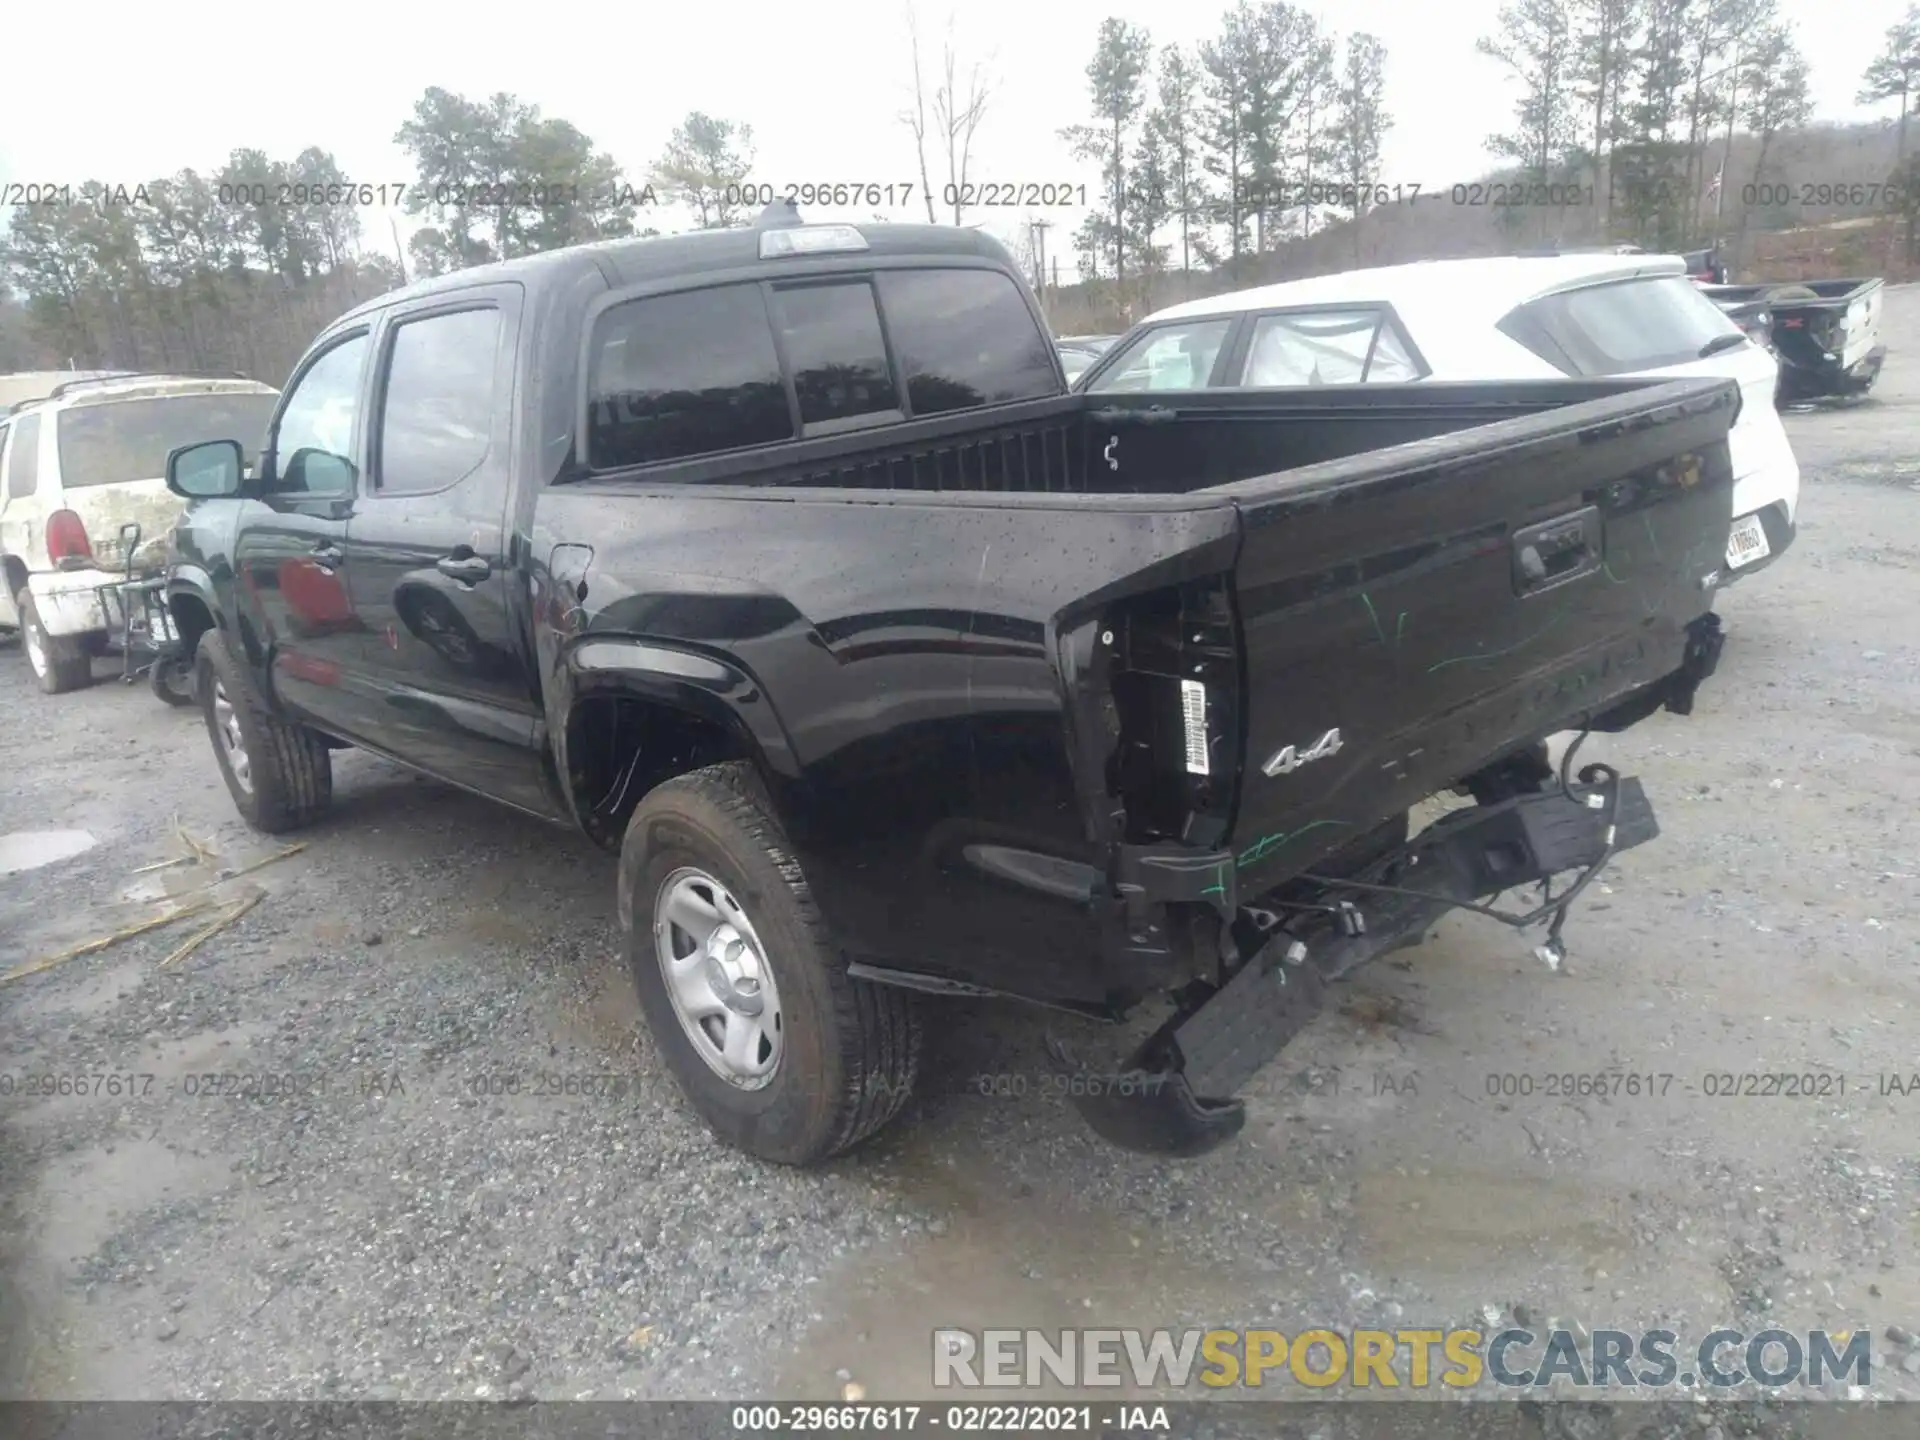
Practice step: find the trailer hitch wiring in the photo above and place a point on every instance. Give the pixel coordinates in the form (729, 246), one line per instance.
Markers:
(1552, 951)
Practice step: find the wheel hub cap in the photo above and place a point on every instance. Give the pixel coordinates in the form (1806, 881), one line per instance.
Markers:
(717, 978)
(226, 728)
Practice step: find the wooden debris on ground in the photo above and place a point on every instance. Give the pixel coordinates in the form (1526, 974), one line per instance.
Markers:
(191, 902)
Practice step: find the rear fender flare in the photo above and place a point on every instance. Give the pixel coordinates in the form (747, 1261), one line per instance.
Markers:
(702, 685)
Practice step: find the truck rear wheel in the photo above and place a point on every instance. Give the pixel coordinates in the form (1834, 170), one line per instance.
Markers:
(59, 663)
(278, 772)
(746, 994)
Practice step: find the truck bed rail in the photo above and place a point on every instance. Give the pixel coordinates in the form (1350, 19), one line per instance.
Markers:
(1049, 457)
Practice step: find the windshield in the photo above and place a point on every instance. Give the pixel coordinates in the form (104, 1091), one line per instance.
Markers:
(119, 442)
(1076, 363)
(1177, 356)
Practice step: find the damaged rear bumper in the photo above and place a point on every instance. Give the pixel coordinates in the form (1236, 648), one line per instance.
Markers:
(1176, 1095)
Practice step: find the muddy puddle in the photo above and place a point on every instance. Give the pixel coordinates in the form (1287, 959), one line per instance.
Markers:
(24, 850)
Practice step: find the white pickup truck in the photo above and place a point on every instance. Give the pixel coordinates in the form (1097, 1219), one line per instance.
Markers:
(80, 468)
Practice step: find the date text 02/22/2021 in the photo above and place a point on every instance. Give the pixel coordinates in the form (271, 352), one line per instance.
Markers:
(955, 1420)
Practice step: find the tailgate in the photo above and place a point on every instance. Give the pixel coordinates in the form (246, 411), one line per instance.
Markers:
(1410, 615)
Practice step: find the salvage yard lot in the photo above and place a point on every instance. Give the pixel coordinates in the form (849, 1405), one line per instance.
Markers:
(397, 1132)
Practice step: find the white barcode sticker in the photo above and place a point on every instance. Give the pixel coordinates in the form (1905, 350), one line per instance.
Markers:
(1193, 706)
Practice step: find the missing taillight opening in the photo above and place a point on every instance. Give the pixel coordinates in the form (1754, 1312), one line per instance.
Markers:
(1175, 695)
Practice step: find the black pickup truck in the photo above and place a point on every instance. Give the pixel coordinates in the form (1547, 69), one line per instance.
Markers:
(780, 561)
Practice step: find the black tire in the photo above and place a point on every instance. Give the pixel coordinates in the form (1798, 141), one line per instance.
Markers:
(850, 1050)
(172, 679)
(289, 780)
(64, 663)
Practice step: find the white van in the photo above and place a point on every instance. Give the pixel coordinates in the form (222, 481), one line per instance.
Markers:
(78, 470)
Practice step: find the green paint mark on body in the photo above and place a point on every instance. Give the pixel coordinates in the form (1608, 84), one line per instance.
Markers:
(1496, 654)
(1379, 634)
(1267, 844)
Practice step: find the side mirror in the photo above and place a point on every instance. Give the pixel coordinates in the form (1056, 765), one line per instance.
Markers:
(205, 471)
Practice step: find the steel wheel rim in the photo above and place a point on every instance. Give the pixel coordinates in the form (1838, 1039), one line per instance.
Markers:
(226, 727)
(453, 643)
(717, 978)
(36, 647)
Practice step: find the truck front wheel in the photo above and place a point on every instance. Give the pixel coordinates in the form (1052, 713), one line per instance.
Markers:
(745, 992)
(278, 772)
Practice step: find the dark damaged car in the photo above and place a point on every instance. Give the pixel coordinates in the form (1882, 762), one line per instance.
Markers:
(781, 563)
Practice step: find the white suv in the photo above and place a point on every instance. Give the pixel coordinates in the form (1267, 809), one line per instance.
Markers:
(1593, 315)
(76, 470)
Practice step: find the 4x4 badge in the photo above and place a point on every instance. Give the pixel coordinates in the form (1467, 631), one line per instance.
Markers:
(1288, 760)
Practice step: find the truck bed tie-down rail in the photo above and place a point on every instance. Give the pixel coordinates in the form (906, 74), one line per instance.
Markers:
(1176, 1094)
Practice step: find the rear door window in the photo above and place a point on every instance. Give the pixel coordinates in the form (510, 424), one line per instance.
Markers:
(123, 442)
(1176, 356)
(23, 458)
(1620, 327)
(436, 415)
(965, 338)
(693, 373)
(1341, 347)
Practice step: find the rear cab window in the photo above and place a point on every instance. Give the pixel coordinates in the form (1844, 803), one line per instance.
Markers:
(122, 442)
(752, 363)
(1620, 326)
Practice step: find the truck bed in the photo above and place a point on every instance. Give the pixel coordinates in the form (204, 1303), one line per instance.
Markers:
(1828, 293)
(1173, 445)
(1435, 575)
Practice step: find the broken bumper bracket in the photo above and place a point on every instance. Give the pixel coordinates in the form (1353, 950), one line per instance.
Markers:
(1174, 1096)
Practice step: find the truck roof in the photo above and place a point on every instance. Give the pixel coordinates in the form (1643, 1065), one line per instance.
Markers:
(663, 257)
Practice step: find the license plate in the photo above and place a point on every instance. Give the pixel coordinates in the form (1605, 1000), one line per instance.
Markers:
(1747, 542)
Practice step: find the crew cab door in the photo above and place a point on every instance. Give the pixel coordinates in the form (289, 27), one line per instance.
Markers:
(289, 545)
(430, 555)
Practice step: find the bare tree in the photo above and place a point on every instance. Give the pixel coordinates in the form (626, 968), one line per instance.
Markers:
(1319, 93)
(915, 119)
(1604, 32)
(1117, 86)
(1535, 43)
(958, 114)
(1175, 126)
(1895, 71)
(1360, 122)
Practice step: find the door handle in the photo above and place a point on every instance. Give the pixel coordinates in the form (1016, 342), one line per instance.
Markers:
(468, 569)
(328, 557)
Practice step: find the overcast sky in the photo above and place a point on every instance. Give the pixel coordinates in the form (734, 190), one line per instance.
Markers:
(137, 92)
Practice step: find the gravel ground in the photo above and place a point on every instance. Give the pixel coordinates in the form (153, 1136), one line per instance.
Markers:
(390, 1227)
